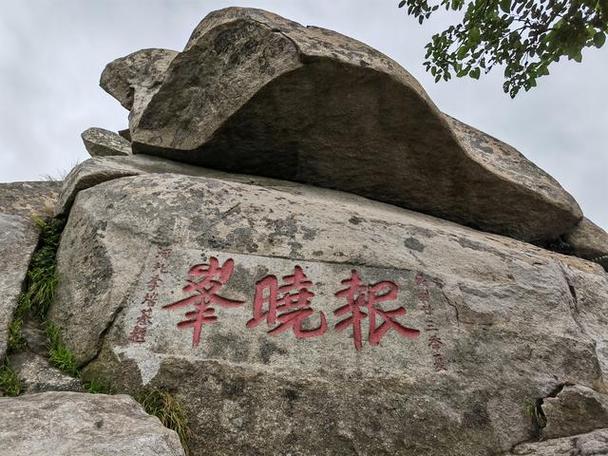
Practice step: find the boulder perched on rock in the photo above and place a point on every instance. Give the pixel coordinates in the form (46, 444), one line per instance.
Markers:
(298, 320)
(79, 424)
(101, 143)
(588, 240)
(135, 78)
(255, 93)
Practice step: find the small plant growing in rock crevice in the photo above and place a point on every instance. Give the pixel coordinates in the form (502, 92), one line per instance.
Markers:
(9, 380)
(60, 355)
(166, 407)
(40, 282)
(535, 411)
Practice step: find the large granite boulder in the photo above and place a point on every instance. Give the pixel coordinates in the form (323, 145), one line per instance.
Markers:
(96, 170)
(255, 93)
(587, 240)
(79, 424)
(135, 78)
(19, 203)
(297, 320)
(100, 142)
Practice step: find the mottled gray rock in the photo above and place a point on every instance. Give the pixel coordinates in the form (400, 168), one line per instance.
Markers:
(102, 143)
(101, 169)
(588, 240)
(79, 424)
(29, 199)
(575, 410)
(18, 239)
(135, 78)
(591, 444)
(38, 376)
(19, 203)
(501, 323)
(255, 93)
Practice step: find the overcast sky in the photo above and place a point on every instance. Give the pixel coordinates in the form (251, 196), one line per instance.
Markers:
(53, 51)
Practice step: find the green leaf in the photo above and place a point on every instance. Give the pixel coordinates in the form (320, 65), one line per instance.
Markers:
(505, 5)
(402, 3)
(599, 39)
(475, 73)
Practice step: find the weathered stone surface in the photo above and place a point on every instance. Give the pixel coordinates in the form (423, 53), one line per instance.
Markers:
(78, 424)
(38, 376)
(255, 93)
(575, 410)
(591, 444)
(29, 198)
(588, 240)
(101, 169)
(135, 78)
(18, 239)
(102, 143)
(19, 203)
(502, 323)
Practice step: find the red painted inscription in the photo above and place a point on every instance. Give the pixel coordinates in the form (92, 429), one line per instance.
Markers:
(287, 306)
(205, 281)
(362, 301)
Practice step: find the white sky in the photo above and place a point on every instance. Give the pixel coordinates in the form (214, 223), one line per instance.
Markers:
(53, 51)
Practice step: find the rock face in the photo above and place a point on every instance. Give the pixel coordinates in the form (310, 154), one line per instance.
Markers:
(295, 320)
(18, 239)
(102, 169)
(135, 78)
(255, 93)
(38, 376)
(591, 444)
(29, 199)
(588, 240)
(78, 424)
(101, 143)
(19, 202)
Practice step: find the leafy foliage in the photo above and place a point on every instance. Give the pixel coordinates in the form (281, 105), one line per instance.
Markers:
(165, 406)
(59, 354)
(40, 283)
(524, 36)
(9, 381)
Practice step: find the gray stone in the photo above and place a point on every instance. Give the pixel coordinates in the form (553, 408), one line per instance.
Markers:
(575, 410)
(135, 78)
(29, 199)
(101, 169)
(102, 143)
(591, 444)
(588, 240)
(501, 323)
(38, 376)
(79, 424)
(18, 239)
(255, 93)
(20, 202)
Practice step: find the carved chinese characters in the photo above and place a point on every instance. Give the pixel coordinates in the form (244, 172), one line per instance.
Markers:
(363, 298)
(205, 282)
(138, 333)
(288, 306)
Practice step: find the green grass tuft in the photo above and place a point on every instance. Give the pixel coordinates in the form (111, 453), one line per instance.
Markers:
(167, 408)
(16, 342)
(42, 278)
(9, 381)
(98, 386)
(60, 355)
